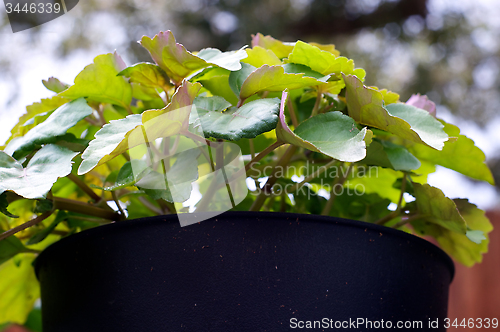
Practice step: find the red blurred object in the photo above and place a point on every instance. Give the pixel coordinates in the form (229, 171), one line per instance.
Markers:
(16, 328)
(475, 292)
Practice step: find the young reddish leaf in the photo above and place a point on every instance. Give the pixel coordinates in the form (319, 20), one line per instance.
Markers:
(99, 82)
(179, 63)
(422, 102)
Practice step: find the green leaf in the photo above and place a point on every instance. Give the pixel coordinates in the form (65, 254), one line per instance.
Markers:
(4, 204)
(258, 56)
(10, 247)
(19, 289)
(248, 121)
(376, 180)
(53, 84)
(173, 58)
(279, 48)
(43, 205)
(326, 47)
(461, 155)
(108, 142)
(34, 320)
(216, 80)
(47, 165)
(237, 78)
(36, 109)
(365, 106)
(118, 136)
(179, 63)
(227, 60)
(436, 208)
(457, 245)
(322, 61)
(292, 68)
(99, 82)
(42, 235)
(335, 135)
(332, 133)
(387, 154)
(274, 78)
(209, 104)
(147, 74)
(128, 175)
(422, 122)
(57, 124)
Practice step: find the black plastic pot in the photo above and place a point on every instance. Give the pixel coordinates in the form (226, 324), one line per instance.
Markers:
(242, 271)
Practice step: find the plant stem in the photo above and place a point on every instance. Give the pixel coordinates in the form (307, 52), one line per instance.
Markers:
(90, 219)
(257, 204)
(150, 206)
(189, 134)
(252, 148)
(403, 190)
(100, 111)
(407, 220)
(126, 156)
(129, 109)
(317, 103)
(28, 224)
(208, 196)
(331, 200)
(84, 208)
(263, 153)
(92, 121)
(118, 205)
(293, 116)
(396, 212)
(240, 102)
(83, 186)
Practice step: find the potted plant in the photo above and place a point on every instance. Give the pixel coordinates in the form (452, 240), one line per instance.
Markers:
(304, 192)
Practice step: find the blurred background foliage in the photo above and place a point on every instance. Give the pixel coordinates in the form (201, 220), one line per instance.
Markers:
(447, 49)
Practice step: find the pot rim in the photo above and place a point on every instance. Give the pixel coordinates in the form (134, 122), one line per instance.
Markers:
(264, 215)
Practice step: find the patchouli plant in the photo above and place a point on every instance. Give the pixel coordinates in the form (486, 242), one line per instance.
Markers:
(279, 126)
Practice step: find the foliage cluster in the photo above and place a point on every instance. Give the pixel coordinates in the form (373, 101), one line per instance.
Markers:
(284, 104)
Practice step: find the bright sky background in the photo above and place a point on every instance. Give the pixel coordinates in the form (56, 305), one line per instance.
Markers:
(35, 64)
